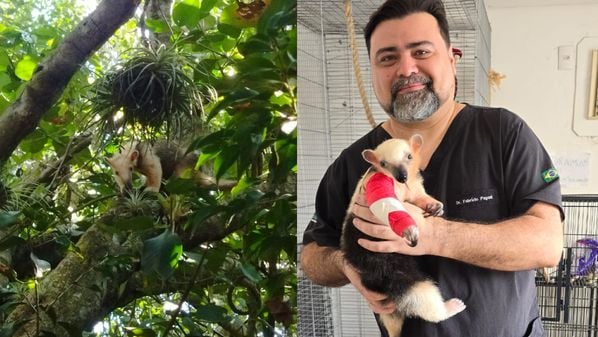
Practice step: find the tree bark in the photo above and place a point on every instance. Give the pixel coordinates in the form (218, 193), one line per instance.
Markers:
(69, 294)
(79, 292)
(53, 74)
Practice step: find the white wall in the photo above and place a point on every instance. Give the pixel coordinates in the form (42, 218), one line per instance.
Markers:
(525, 43)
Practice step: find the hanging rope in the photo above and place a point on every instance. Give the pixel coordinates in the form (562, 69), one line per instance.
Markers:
(356, 67)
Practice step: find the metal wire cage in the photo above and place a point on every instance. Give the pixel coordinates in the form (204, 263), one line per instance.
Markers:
(568, 294)
(314, 310)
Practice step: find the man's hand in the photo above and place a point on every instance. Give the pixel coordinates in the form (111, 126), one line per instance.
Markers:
(379, 303)
(369, 224)
(361, 210)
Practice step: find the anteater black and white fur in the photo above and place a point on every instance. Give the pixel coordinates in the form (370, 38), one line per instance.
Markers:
(396, 275)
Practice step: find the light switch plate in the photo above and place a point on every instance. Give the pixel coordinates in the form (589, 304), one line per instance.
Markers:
(566, 58)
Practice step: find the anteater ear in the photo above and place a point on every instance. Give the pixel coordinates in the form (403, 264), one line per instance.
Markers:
(415, 142)
(370, 156)
(134, 155)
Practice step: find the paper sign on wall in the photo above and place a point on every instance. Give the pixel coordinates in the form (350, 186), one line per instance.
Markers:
(573, 167)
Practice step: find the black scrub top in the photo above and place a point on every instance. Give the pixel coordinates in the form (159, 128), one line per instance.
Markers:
(490, 166)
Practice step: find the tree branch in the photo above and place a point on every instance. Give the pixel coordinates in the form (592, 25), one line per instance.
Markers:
(52, 75)
(77, 145)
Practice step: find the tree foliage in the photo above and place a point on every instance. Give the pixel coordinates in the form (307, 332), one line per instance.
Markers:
(194, 260)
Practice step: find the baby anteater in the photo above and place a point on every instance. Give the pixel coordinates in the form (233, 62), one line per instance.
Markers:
(392, 179)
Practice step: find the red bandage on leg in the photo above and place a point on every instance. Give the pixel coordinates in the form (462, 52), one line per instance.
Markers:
(399, 221)
(383, 202)
(379, 186)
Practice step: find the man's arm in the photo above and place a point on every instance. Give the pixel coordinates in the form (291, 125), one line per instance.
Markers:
(323, 265)
(326, 266)
(532, 240)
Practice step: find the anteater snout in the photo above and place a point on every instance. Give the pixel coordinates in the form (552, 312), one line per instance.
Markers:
(400, 174)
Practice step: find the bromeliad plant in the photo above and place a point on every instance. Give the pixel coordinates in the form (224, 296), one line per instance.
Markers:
(153, 91)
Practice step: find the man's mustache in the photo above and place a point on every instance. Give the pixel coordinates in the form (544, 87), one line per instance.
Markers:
(406, 81)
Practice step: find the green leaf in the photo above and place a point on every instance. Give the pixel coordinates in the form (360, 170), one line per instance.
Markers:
(140, 332)
(205, 212)
(4, 80)
(208, 21)
(161, 254)
(251, 273)
(207, 5)
(204, 157)
(243, 185)
(229, 30)
(235, 97)
(45, 32)
(4, 60)
(82, 157)
(211, 313)
(34, 142)
(157, 26)
(227, 158)
(25, 68)
(256, 44)
(286, 162)
(256, 63)
(281, 100)
(177, 185)
(215, 257)
(211, 143)
(187, 13)
(279, 14)
(4, 103)
(215, 38)
(8, 219)
(292, 46)
(188, 323)
(136, 223)
(289, 245)
(59, 144)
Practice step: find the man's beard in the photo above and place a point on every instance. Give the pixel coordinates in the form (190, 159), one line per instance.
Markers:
(413, 106)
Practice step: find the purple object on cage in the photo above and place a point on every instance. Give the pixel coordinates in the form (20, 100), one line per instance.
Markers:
(585, 264)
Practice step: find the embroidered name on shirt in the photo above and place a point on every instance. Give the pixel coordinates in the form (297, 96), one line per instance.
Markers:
(481, 198)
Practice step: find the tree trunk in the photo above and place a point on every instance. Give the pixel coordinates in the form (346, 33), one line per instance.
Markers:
(69, 295)
(53, 74)
(79, 291)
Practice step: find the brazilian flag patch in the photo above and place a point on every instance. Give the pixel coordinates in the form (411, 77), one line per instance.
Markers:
(550, 175)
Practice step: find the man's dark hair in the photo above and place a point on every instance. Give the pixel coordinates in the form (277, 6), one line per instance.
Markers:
(396, 9)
